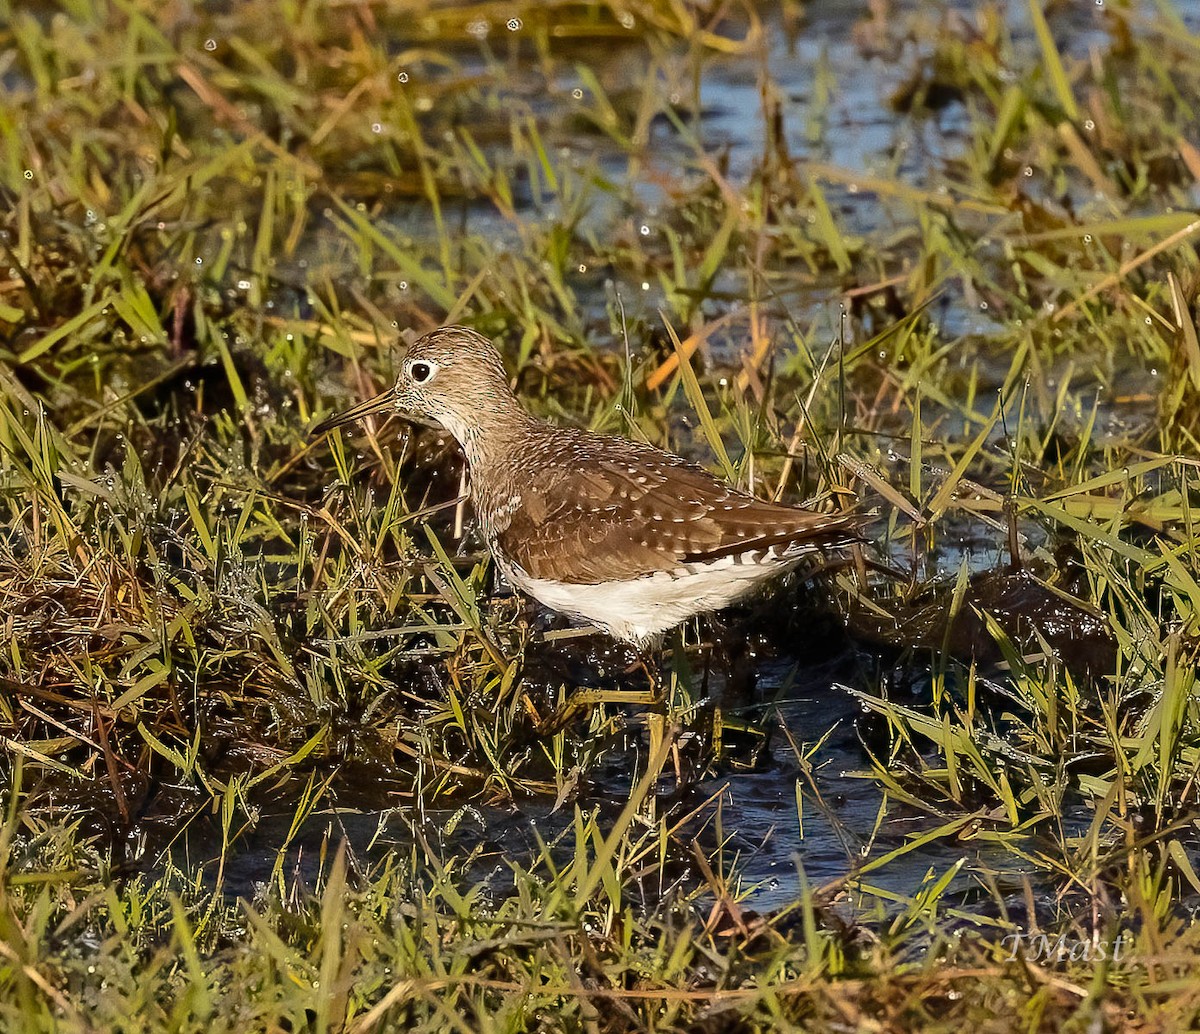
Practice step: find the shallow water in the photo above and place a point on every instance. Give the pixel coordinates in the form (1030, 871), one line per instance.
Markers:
(765, 850)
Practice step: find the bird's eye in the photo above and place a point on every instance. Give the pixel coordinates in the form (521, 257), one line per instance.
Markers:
(420, 372)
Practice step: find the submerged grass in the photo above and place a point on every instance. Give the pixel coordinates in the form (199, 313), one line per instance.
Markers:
(219, 635)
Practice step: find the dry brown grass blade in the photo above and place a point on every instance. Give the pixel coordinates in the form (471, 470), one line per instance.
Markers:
(865, 472)
(1186, 327)
(687, 348)
(1126, 268)
(227, 112)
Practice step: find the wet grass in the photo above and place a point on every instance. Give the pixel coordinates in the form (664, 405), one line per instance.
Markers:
(219, 634)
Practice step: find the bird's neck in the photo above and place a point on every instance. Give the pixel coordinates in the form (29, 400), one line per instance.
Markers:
(493, 442)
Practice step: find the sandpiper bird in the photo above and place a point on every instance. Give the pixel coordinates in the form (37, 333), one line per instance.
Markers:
(620, 534)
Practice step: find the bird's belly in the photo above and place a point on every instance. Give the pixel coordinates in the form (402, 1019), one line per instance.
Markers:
(638, 609)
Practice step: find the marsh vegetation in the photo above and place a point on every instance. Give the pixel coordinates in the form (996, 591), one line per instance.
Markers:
(276, 754)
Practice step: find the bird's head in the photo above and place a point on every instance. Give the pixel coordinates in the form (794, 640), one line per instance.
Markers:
(453, 376)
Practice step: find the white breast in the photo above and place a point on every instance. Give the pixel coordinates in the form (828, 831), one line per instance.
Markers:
(640, 609)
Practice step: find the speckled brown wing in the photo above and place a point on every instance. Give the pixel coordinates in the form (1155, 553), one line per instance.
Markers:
(638, 510)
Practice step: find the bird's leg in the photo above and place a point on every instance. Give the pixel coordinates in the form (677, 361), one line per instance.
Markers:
(597, 685)
(733, 735)
(734, 655)
(678, 699)
(651, 669)
(680, 686)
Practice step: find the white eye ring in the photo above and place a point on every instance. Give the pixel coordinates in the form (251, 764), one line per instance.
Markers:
(421, 371)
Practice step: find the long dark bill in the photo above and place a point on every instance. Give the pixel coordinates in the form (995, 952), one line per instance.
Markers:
(385, 400)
